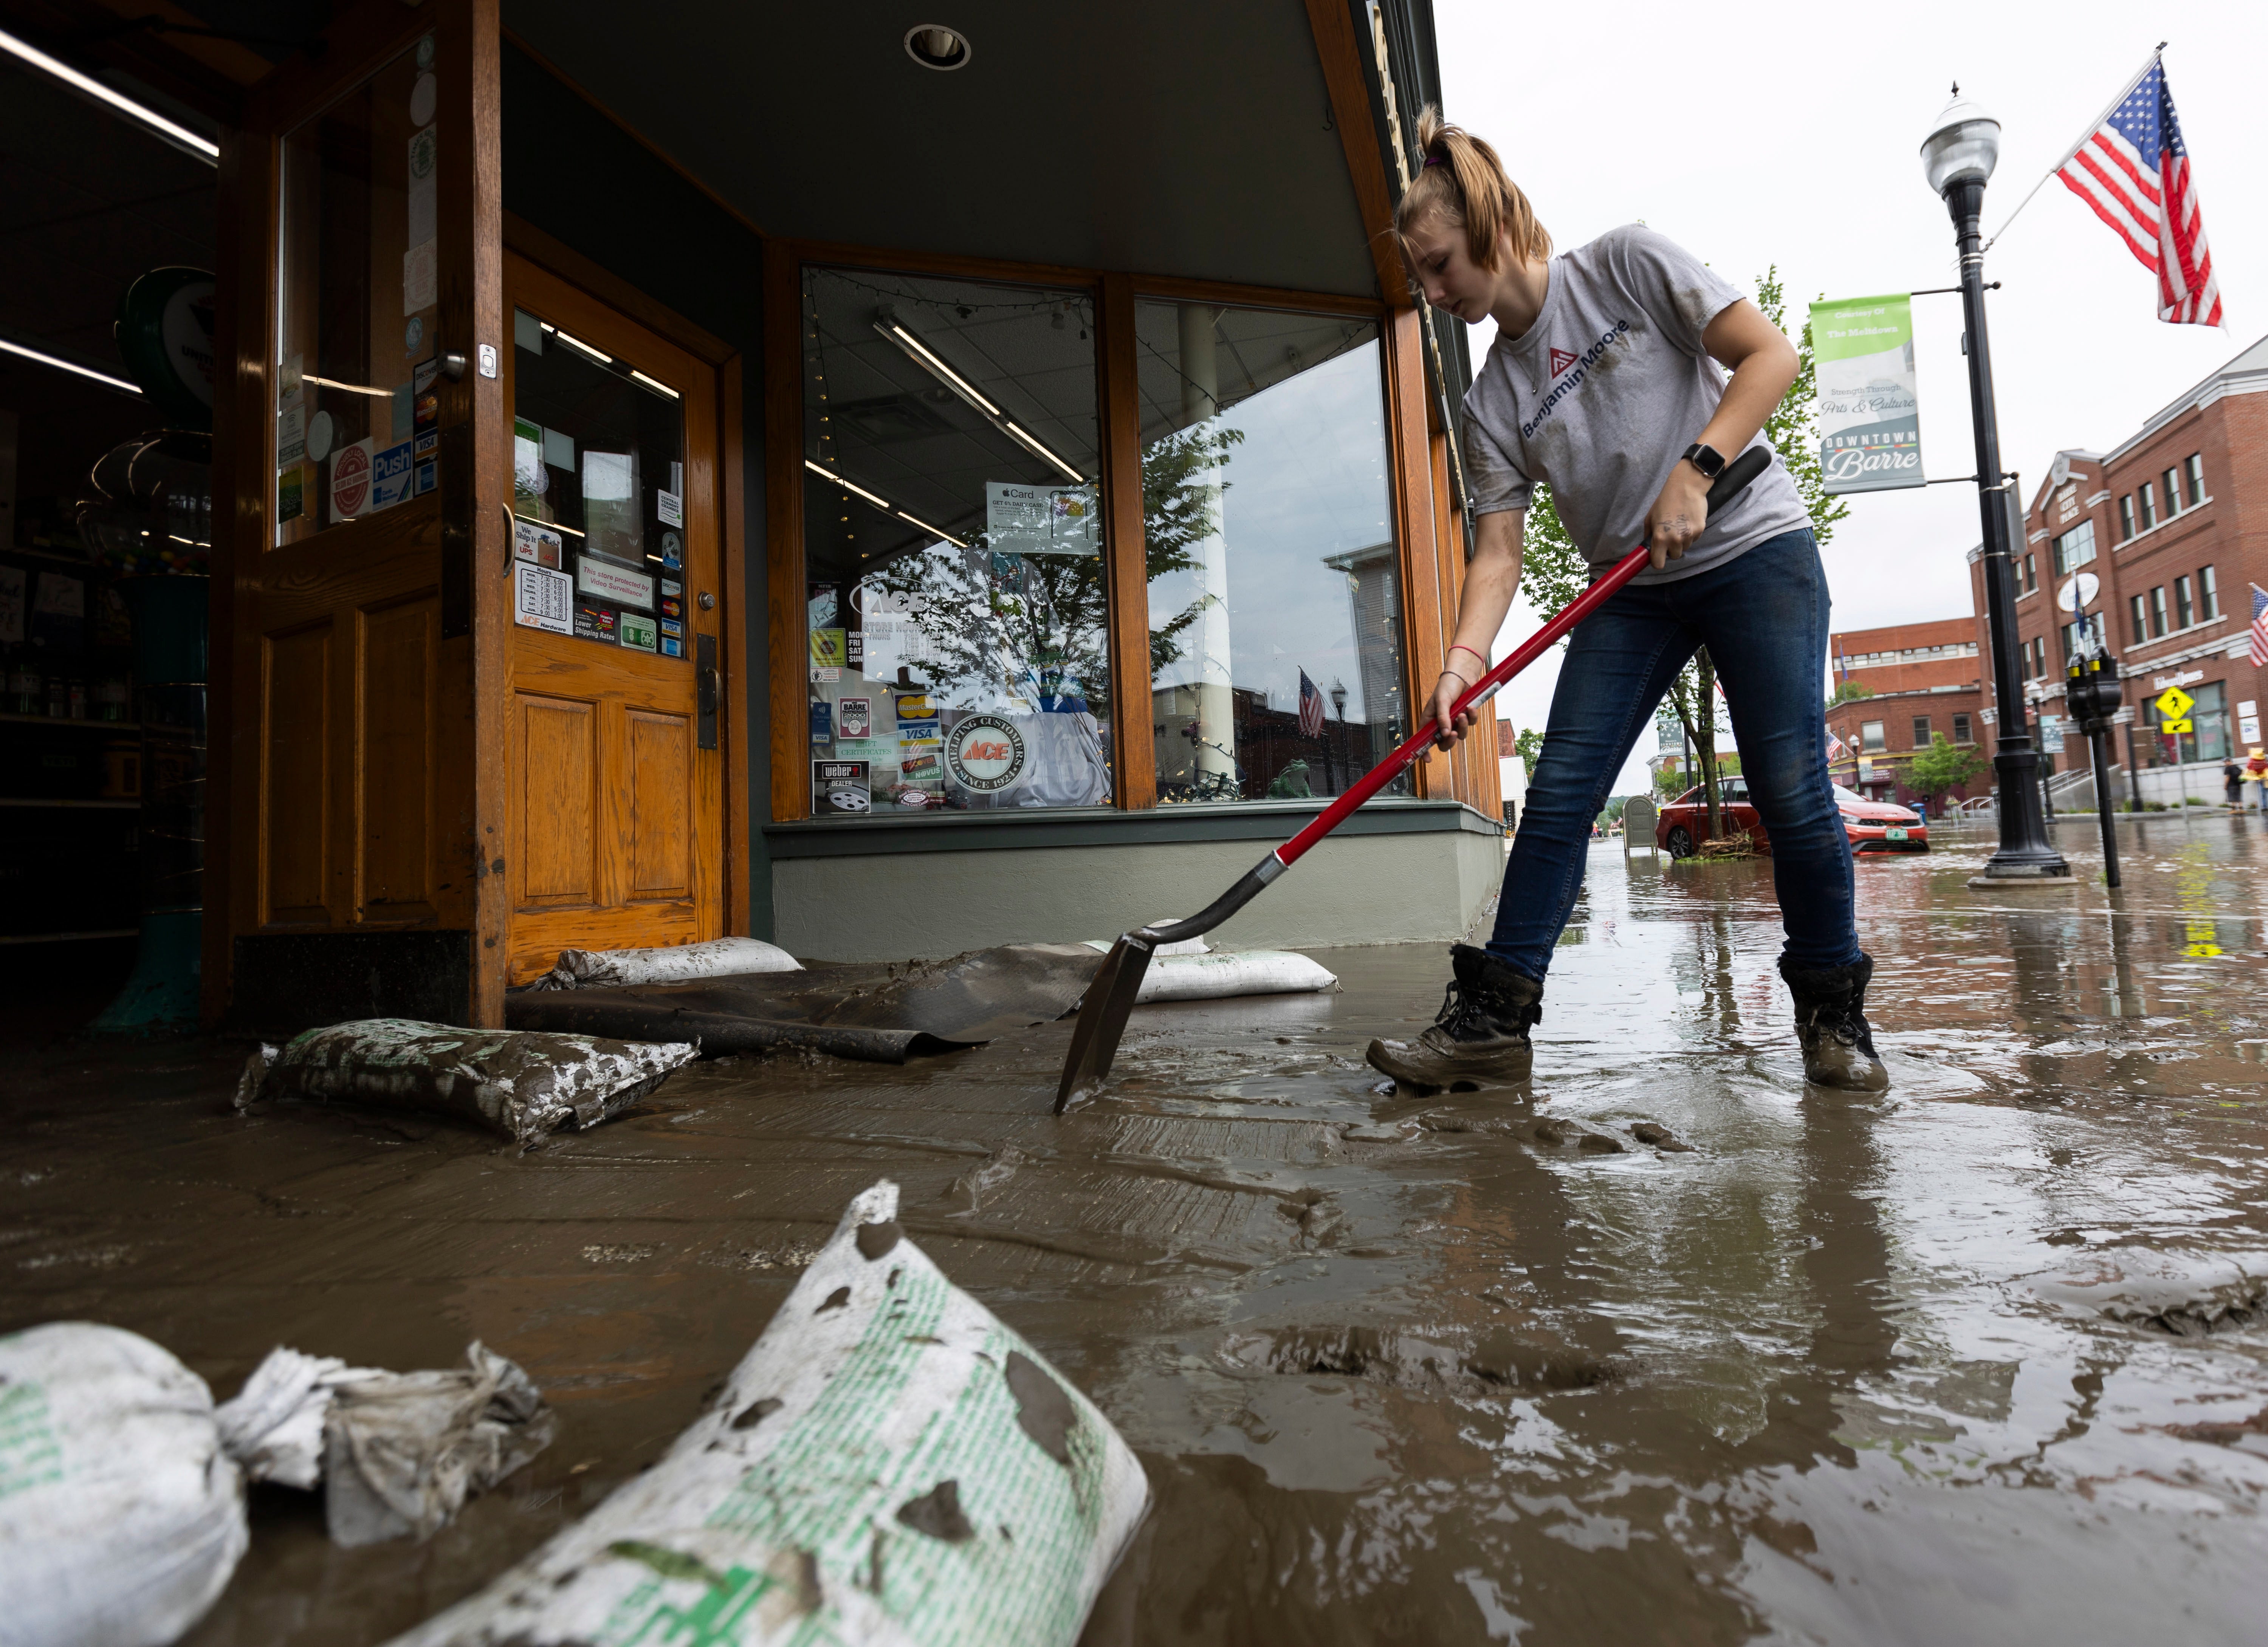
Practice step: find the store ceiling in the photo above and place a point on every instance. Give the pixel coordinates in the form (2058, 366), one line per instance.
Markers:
(1182, 138)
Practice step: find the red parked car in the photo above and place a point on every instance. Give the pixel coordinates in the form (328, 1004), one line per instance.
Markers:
(1873, 825)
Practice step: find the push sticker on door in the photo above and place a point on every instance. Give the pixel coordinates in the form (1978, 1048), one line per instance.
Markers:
(542, 598)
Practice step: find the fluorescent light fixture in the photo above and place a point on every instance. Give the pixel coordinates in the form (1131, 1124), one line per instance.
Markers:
(61, 364)
(651, 383)
(351, 388)
(882, 503)
(943, 373)
(553, 525)
(204, 148)
(1077, 478)
(935, 532)
(572, 342)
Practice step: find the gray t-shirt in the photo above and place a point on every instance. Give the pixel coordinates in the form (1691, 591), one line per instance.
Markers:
(1601, 397)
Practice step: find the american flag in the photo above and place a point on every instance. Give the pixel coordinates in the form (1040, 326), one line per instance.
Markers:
(2134, 169)
(1836, 747)
(1311, 707)
(2259, 626)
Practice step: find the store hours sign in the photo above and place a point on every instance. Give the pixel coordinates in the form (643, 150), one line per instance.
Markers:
(1869, 413)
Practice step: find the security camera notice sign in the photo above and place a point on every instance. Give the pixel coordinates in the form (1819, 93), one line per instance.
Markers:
(542, 598)
(841, 787)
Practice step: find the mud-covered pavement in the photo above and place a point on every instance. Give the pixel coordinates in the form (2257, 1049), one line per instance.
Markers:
(1983, 1360)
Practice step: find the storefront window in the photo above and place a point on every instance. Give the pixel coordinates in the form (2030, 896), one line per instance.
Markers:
(955, 591)
(2207, 739)
(357, 274)
(1275, 600)
(598, 493)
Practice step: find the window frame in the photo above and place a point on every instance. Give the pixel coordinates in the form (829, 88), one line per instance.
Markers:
(1873, 738)
(2126, 518)
(1963, 728)
(2193, 475)
(2149, 504)
(2208, 588)
(1921, 730)
(2158, 613)
(2185, 605)
(2171, 480)
(2137, 620)
(1416, 464)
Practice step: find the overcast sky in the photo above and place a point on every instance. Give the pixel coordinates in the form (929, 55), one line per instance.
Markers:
(1789, 135)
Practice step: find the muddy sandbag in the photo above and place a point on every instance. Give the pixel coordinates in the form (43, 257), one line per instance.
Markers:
(1225, 973)
(122, 1485)
(523, 1084)
(883, 1012)
(721, 958)
(889, 1465)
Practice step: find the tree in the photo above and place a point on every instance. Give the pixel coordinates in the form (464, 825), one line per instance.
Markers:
(1944, 765)
(1553, 570)
(1528, 745)
(1848, 692)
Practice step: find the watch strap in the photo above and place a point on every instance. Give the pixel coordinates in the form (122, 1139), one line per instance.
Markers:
(1708, 460)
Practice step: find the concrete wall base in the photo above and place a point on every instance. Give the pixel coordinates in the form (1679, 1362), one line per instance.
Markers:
(1428, 887)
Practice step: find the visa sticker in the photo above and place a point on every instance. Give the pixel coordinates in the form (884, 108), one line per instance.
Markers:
(670, 626)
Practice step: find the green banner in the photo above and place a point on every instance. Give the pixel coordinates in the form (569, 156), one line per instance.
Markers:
(1869, 417)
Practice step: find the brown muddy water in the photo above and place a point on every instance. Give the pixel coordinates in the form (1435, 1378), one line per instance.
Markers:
(1983, 1360)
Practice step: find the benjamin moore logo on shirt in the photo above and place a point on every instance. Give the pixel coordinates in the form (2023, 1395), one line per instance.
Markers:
(1577, 371)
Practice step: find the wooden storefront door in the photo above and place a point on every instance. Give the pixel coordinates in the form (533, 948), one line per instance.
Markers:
(613, 770)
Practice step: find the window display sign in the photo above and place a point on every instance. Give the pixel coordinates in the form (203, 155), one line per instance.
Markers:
(854, 717)
(533, 542)
(1041, 519)
(542, 598)
(985, 752)
(612, 583)
(839, 786)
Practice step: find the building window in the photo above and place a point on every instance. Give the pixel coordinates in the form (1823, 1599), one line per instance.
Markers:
(2031, 574)
(2183, 614)
(2208, 595)
(2149, 505)
(1870, 737)
(2134, 620)
(1921, 731)
(353, 409)
(956, 596)
(2126, 516)
(2157, 612)
(2207, 739)
(2075, 548)
(2172, 482)
(2193, 470)
(1961, 734)
(1271, 558)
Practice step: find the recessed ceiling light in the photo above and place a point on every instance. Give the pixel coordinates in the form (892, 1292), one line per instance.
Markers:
(934, 46)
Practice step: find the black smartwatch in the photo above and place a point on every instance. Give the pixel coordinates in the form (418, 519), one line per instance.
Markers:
(1708, 460)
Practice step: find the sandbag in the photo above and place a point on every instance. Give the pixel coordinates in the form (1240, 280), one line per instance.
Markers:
(720, 958)
(889, 1465)
(122, 1485)
(1233, 972)
(525, 1084)
(1187, 972)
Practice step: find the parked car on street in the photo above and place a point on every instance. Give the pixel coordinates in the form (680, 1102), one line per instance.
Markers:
(1872, 826)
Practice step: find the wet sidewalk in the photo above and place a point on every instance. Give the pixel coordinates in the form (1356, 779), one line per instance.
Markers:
(1984, 1360)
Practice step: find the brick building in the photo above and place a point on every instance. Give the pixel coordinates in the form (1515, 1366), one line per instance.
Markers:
(1922, 679)
(2173, 522)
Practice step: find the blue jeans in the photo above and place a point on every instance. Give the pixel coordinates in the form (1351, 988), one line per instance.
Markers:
(1764, 619)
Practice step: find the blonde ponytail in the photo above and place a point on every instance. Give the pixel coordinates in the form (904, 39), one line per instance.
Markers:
(1460, 178)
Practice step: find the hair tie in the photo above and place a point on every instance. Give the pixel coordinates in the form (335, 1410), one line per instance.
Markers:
(1434, 159)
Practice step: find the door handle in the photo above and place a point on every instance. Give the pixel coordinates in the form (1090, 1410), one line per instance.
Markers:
(704, 685)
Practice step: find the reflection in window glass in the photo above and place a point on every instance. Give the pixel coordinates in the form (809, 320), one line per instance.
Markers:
(953, 545)
(1275, 605)
(356, 428)
(598, 493)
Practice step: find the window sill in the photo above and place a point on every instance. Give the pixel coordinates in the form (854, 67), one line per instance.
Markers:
(1268, 821)
(2170, 520)
(2195, 631)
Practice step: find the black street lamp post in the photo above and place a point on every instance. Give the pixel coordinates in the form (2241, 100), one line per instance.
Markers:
(1338, 704)
(1958, 156)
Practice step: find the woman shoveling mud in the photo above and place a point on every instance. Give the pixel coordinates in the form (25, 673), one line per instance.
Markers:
(1600, 384)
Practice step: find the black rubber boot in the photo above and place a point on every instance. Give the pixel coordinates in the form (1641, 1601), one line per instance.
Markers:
(1481, 1033)
(1830, 1022)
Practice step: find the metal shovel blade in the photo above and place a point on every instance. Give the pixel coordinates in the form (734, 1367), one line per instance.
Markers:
(1102, 1017)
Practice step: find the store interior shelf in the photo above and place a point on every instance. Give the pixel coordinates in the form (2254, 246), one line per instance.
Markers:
(64, 938)
(56, 720)
(34, 800)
